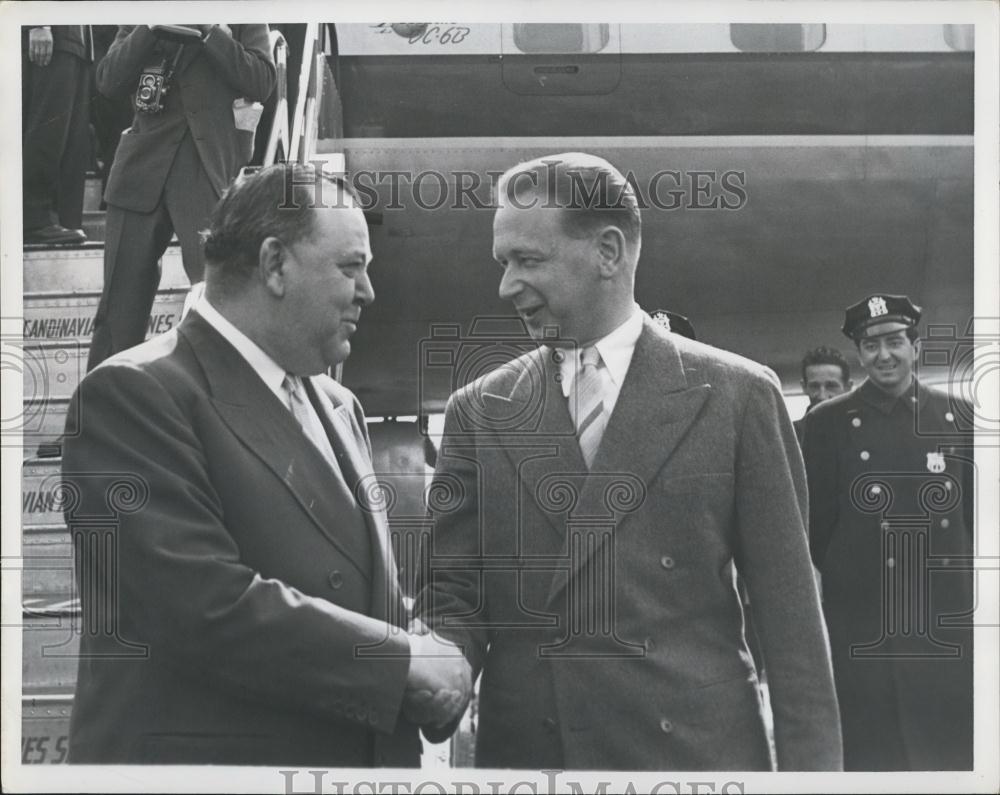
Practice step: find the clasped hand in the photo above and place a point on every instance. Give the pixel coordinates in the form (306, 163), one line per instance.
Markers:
(439, 684)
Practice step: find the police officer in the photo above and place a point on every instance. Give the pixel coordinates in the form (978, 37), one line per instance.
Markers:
(891, 508)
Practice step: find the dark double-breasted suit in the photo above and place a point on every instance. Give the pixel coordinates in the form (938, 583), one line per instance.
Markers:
(601, 607)
(235, 597)
(891, 497)
(171, 167)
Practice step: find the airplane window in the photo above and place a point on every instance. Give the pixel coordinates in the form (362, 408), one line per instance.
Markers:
(960, 37)
(560, 38)
(777, 38)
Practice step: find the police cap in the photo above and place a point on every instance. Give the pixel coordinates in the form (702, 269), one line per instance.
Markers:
(880, 314)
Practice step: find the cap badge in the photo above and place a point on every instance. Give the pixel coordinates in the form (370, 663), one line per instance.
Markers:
(877, 307)
(663, 319)
(935, 463)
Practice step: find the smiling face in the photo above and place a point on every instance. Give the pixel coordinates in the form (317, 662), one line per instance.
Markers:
(888, 358)
(551, 278)
(326, 285)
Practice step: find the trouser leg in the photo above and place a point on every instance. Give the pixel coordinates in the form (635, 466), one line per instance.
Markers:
(189, 198)
(76, 154)
(133, 246)
(46, 128)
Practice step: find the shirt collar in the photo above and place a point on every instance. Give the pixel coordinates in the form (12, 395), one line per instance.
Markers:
(269, 371)
(616, 349)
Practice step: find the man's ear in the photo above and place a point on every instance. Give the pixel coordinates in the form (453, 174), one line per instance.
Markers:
(271, 264)
(611, 247)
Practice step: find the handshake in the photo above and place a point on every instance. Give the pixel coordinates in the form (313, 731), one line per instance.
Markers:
(439, 684)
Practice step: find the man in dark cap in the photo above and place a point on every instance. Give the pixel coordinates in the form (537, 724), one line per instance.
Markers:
(891, 508)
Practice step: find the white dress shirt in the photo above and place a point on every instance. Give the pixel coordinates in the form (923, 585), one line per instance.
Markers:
(616, 349)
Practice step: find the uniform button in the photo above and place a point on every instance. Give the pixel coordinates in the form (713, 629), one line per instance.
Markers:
(945, 561)
(885, 525)
(856, 422)
(865, 455)
(558, 356)
(667, 562)
(876, 490)
(666, 726)
(913, 398)
(549, 724)
(336, 579)
(949, 416)
(945, 523)
(890, 563)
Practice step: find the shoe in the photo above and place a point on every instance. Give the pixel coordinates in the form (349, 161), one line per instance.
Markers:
(52, 234)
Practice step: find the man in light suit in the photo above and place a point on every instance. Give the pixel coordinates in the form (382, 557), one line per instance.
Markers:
(600, 507)
(174, 162)
(239, 596)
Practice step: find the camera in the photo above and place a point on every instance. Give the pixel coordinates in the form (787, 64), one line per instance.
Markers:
(152, 88)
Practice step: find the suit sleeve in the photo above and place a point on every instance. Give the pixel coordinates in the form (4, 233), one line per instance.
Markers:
(243, 60)
(180, 577)
(773, 557)
(452, 585)
(131, 51)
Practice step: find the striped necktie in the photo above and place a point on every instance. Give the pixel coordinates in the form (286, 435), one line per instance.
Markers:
(586, 403)
(307, 417)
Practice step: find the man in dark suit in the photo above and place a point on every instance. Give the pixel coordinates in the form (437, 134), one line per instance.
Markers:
(891, 473)
(825, 374)
(174, 162)
(239, 595)
(56, 64)
(599, 508)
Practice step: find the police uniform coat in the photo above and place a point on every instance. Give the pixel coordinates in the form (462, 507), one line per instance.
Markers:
(891, 499)
(601, 607)
(232, 596)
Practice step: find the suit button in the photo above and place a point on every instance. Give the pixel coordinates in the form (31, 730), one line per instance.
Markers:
(890, 563)
(856, 422)
(666, 726)
(876, 490)
(949, 416)
(945, 523)
(947, 485)
(549, 724)
(336, 579)
(667, 562)
(884, 525)
(865, 455)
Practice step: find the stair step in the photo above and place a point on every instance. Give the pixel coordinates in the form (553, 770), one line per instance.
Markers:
(80, 269)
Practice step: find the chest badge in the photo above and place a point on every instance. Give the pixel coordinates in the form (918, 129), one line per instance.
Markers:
(935, 463)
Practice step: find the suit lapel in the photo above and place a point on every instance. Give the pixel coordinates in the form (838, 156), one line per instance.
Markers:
(546, 449)
(259, 419)
(350, 444)
(655, 409)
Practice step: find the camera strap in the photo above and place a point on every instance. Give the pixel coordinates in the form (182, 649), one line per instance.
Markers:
(168, 73)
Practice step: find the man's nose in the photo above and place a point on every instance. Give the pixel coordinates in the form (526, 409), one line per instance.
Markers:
(509, 285)
(364, 293)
